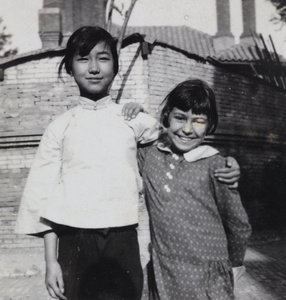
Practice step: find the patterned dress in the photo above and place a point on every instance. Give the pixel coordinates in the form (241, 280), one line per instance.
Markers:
(199, 228)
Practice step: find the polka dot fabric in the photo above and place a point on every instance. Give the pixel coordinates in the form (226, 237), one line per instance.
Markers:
(199, 228)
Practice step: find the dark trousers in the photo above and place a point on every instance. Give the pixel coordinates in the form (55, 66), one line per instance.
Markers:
(100, 264)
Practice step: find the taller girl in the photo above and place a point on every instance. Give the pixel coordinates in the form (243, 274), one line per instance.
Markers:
(82, 190)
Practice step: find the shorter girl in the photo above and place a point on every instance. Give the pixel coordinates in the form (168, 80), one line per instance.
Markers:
(199, 228)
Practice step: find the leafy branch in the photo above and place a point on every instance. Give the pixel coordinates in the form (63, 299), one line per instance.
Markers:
(5, 42)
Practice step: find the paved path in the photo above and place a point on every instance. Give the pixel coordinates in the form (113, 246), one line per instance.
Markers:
(266, 273)
(265, 278)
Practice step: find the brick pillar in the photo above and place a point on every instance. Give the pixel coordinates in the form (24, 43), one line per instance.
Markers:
(223, 38)
(50, 23)
(60, 18)
(68, 20)
(82, 13)
(249, 21)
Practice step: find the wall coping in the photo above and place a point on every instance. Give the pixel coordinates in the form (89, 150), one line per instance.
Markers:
(32, 55)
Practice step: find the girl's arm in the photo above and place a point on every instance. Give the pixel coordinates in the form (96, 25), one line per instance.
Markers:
(234, 219)
(54, 278)
(230, 174)
(43, 176)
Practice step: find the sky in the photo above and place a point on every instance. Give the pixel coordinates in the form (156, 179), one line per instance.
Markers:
(21, 19)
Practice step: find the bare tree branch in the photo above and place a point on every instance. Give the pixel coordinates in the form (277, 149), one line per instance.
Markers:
(124, 26)
(109, 16)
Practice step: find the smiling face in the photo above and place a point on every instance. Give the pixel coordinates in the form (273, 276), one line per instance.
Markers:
(94, 72)
(186, 130)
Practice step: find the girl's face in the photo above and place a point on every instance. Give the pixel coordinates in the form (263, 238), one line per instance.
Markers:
(186, 130)
(94, 72)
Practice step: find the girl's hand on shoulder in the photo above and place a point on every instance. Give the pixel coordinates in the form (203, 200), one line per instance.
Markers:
(230, 174)
(131, 110)
(54, 280)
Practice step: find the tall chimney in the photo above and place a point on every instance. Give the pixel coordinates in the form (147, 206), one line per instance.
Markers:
(223, 38)
(249, 21)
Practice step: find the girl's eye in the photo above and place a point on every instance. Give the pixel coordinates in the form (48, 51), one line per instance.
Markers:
(179, 118)
(200, 121)
(82, 59)
(104, 58)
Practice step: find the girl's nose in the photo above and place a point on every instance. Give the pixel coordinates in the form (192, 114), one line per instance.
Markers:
(188, 128)
(93, 67)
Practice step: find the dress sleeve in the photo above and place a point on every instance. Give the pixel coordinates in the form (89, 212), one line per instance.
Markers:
(234, 218)
(146, 128)
(43, 175)
(141, 155)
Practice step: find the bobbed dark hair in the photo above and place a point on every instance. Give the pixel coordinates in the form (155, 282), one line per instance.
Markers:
(194, 94)
(82, 41)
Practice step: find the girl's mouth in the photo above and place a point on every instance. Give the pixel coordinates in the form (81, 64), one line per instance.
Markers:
(94, 79)
(184, 138)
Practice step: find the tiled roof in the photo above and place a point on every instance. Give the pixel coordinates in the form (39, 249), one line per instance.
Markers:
(241, 53)
(237, 53)
(182, 37)
(196, 42)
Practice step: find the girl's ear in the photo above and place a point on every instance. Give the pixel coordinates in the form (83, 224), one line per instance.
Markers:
(165, 120)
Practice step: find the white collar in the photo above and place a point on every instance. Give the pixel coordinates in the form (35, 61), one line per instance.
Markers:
(86, 103)
(196, 154)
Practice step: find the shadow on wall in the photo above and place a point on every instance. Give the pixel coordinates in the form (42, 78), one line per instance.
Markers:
(125, 76)
(243, 105)
(263, 192)
(262, 185)
(273, 192)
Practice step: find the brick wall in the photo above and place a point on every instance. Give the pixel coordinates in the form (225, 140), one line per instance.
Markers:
(251, 125)
(31, 96)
